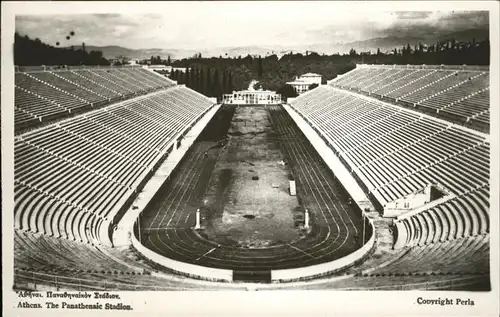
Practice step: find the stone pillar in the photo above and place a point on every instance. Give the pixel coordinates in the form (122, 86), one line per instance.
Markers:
(198, 221)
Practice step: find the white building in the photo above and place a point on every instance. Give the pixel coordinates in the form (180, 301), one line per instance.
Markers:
(301, 84)
(252, 97)
(167, 68)
(160, 67)
(181, 69)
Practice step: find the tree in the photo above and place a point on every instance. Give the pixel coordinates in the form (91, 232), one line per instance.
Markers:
(182, 78)
(193, 78)
(173, 75)
(217, 89)
(186, 78)
(190, 78)
(224, 82)
(230, 83)
(378, 51)
(200, 81)
(169, 61)
(122, 60)
(286, 92)
(259, 70)
(205, 83)
(352, 52)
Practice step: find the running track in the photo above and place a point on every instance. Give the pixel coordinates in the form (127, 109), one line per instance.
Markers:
(166, 227)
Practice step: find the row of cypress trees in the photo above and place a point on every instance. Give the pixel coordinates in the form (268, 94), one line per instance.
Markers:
(211, 82)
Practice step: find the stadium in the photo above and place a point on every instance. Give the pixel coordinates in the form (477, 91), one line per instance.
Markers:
(126, 179)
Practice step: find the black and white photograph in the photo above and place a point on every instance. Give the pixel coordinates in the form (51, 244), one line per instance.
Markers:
(249, 148)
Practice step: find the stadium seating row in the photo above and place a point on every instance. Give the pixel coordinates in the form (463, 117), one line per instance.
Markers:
(451, 94)
(45, 254)
(462, 216)
(95, 161)
(468, 255)
(42, 96)
(396, 152)
(43, 213)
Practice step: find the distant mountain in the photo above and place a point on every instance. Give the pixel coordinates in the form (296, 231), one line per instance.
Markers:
(115, 51)
(390, 42)
(384, 43)
(245, 50)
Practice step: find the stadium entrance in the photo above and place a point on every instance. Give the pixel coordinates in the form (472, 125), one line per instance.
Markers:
(252, 276)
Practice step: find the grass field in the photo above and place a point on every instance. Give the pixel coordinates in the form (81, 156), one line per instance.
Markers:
(248, 202)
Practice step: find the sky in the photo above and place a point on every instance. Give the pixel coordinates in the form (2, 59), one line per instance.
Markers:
(193, 25)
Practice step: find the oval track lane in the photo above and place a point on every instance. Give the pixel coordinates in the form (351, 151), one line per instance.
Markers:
(334, 222)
